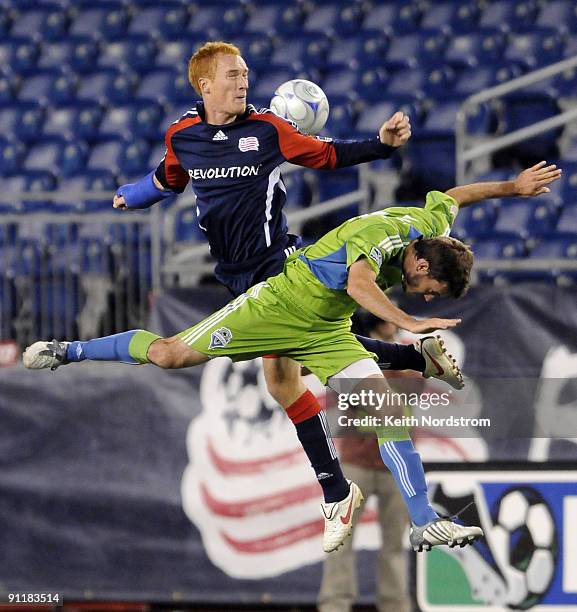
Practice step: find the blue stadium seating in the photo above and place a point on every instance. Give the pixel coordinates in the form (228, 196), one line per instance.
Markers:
(475, 49)
(108, 20)
(412, 50)
(186, 226)
(526, 218)
(451, 17)
(136, 53)
(87, 90)
(499, 248)
(508, 15)
(534, 48)
(475, 221)
(560, 14)
(398, 17)
(342, 118)
(567, 223)
(46, 22)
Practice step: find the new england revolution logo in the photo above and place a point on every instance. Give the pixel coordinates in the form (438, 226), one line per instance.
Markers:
(220, 338)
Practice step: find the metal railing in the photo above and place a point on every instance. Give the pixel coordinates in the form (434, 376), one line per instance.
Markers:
(73, 275)
(466, 154)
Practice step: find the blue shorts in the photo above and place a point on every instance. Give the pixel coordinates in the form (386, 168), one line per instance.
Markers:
(237, 278)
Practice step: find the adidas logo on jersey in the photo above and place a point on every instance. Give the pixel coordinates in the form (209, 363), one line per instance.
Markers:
(220, 135)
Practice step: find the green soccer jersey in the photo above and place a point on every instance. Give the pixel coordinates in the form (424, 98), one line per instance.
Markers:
(318, 274)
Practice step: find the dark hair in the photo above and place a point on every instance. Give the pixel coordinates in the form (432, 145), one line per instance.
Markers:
(450, 261)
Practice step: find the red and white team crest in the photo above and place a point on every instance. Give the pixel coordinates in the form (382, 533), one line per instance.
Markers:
(250, 143)
(249, 487)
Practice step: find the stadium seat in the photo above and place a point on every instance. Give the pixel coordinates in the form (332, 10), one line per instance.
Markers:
(372, 117)
(451, 17)
(106, 155)
(134, 160)
(217, 20)
(23, 121)
(44, 156)
(256, 49)
(499, 248)
(526, 218)
(398, 17)
(555, 248)
(141, 120)
(8, 86)
(473, 80)
(415, 50)
(46, 22)
(349, 19)
(160, 85)
(567, 222)
(534, 49)
(323, 19)
(407, 82)
(175, 52)
(268, 81)
(80, 53)
(522, 109)
(439, 81)
(20, 54)
(371, 50)
(186, 226)
(559, 14)
(340, 83)
(290, 19)
(73, 158)
(136, 53)
(263, 18)
(174, 20)
(441, 119)
(565, 84)
(508, 15)
(372, 85)
(298, 193)
(475, 49)
(107, 20)
(305, 50)
(11, 155)
(150, 20)
(475, 221)
(47, 86)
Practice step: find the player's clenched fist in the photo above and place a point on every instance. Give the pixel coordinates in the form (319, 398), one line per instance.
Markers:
(396, 131)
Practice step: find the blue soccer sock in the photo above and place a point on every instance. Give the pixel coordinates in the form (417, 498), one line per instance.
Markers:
(405, 464)
(127, 347)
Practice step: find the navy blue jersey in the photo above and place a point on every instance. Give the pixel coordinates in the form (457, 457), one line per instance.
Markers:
(235, 174)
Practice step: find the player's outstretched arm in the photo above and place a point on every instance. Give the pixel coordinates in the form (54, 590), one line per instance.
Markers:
(364, 290)
(531, 182)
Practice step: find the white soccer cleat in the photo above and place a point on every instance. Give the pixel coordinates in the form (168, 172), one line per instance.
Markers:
(443, 532)
(339, 518)
(42, 355)
(439, 362)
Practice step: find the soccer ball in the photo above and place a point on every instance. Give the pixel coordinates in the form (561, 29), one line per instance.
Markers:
(524, 544)
(302, 102)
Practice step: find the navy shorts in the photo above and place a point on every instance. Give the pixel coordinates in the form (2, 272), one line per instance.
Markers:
(237, 278)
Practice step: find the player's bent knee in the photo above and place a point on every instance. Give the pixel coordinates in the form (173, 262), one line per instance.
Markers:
(160, 354)
(364, 368)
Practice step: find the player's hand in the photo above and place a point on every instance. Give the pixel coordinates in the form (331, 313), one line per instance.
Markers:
(427, 326)
(118, 202)
(533, 181)
(396, 131)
